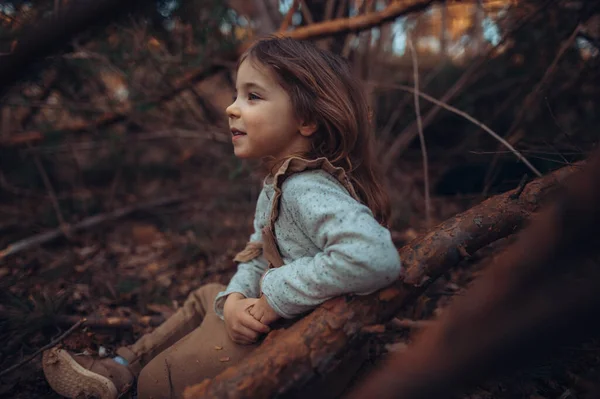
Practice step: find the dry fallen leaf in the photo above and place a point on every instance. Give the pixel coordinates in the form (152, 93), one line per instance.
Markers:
(224, 359)
(218, 348)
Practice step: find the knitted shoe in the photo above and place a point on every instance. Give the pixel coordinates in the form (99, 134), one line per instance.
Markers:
(85, 376)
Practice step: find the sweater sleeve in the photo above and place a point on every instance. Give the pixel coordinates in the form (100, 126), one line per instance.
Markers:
(356, 255)
(246, 278)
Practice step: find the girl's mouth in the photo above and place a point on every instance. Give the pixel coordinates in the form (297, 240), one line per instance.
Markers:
(237, 133)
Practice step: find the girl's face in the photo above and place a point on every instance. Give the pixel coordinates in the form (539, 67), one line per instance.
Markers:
(261, 118)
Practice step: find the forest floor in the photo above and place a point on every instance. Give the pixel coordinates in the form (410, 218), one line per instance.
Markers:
(147, 263)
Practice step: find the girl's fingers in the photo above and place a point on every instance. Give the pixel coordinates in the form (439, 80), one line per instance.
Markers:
(247, 332)
(257, 313)
(251, 323)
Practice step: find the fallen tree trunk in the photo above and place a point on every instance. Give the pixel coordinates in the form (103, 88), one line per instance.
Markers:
(540, 293)
(288, 358)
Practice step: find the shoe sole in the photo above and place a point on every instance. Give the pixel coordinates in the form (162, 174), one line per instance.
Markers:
(68, 378)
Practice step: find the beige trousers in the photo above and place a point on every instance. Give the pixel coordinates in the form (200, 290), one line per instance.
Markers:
(187, 348)
(193, 345)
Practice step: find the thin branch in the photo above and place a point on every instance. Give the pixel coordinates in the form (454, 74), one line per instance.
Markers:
(329, 10)
(532, 97)
(385, 132)
(415, 62)
(405, 138)
(92, 221)
(50, 345)
(306, 12)
(358, 23)
(472, 120)
(51, 193)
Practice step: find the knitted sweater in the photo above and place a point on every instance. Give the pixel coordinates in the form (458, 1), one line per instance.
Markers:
(330, 245)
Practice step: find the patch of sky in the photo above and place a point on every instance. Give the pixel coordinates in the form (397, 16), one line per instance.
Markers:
(167, 7)
(232, 18)
(491, 32)
(7, 8)
(586, 47)
(285, 5)
(399, 29)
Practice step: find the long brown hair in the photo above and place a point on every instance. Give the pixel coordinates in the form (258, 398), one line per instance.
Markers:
(324, 91)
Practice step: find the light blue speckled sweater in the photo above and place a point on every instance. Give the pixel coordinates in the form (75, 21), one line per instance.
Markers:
(330, 245)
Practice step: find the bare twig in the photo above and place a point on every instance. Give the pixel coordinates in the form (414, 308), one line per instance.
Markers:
(50, 345)
(530, 99)
(468, 117)
(358, 23)
(520, 187)
(306, 12)
(415, 62)
(408, 134)
(84, 224)
(329, 10)
(385, 133)
(51, 193)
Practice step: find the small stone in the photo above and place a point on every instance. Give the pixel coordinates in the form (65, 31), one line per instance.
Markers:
(218, 348)
(224, 359)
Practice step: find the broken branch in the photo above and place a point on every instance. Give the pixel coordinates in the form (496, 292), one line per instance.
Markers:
(84, 224)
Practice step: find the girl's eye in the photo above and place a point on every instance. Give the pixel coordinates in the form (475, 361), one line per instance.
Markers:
(252, 96)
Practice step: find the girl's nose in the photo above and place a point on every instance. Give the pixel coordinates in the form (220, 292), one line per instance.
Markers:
(233, 111)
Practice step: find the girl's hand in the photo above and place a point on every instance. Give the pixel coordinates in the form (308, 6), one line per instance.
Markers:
(263, 312)
(241, 327)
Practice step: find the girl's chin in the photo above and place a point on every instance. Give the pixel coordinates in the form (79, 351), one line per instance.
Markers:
(240, 153)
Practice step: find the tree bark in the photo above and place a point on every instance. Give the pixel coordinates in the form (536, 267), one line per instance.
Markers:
(540, 293)
(288, 358)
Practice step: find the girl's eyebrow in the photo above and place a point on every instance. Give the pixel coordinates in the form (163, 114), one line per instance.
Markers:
(252, 85)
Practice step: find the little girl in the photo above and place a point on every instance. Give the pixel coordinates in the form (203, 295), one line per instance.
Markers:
(319, 228)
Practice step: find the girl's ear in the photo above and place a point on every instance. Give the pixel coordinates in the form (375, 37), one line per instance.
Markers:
(308, 129)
